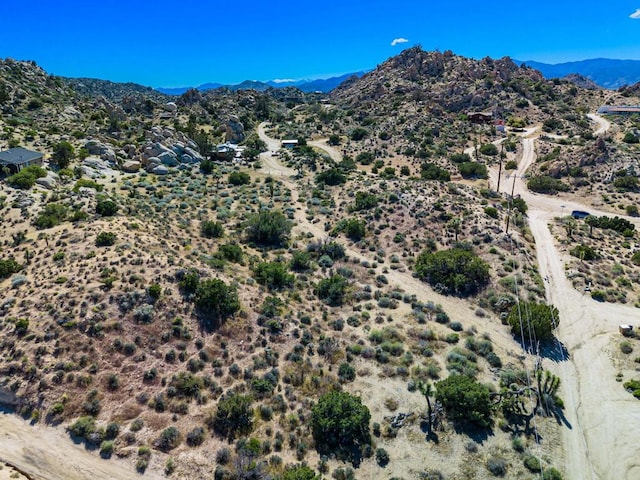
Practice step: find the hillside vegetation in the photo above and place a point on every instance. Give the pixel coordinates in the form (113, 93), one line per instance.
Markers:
(221, 319)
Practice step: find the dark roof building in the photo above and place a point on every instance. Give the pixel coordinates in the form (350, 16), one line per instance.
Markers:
(18, 158)
(480, 117)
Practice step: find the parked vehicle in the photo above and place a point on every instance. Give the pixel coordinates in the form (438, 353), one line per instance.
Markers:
(579, 214)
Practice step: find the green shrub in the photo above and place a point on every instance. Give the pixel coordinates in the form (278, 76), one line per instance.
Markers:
(297, 472)
(534, 318)
(358, 134)
(546, 184)
(82, 427)
(346, 372)
(473, 170)
(354, 228)
(207, 166)
(52, 215)
(215, 301)
(300, 261)
(465, 400)
(365, 158)
(169, 439)
(626, 347)
(26, 178)
(106, 207)
(489, 149)
(239, 178)
(21, 326)
(584, 252)
(551, 474)
(196, 436)
(273, 275)
(63, 152)
(9, 267)
(532, 463)
(459, 158)
(86, 183)
(382, 457)
(268, 228)
(186, 384)
(430, 171)
(332, 290)
(211, 229)
(491, 212)
(340, 423)
(626, 183)
(106, 448)
(455, 271)
(331, 177)
(233, 416)
(364, 201)
(618, 224)
(154, 291)
(105, 239)
(231, 252)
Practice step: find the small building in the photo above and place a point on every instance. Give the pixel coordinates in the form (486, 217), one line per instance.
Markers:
(15, 159)
(289, 143)
(619, 110)
(480, 117)
(225, 151)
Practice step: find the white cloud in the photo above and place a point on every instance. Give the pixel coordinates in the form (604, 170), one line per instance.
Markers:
(635, 14)
(396, 41)
(283, 80)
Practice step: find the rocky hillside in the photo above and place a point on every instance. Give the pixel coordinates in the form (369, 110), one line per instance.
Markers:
(113, 91)
(26, 87)
(162, 307)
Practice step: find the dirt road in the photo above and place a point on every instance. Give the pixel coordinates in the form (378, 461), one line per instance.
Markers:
(603, 419)
(47, 453)
(334, 153)
(270, 163)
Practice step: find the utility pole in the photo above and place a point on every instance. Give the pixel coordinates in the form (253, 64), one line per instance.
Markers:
(500, 167)
(510, 203)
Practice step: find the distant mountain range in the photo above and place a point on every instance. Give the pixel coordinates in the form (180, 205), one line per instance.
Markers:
(605, 72)
(323, 85)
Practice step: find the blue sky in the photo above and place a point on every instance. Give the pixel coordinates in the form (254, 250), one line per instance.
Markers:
(168, 43)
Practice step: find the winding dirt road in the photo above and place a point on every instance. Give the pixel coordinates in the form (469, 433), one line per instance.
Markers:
(600, 440)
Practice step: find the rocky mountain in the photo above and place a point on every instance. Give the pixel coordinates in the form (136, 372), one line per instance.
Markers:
(422, 90)
(606, 72)
(114, 91)
(24, 83)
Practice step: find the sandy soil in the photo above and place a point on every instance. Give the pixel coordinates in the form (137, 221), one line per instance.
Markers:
(7, 472)
(46, 453)
(602, 418)
(334, 153)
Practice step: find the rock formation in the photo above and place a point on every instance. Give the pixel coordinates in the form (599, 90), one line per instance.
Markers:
(235, 130)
